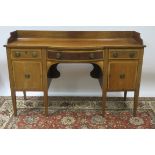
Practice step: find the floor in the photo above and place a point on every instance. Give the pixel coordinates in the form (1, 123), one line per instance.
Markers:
(77, 112)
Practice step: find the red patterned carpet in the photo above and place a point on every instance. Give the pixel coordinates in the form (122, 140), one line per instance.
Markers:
(76, 113)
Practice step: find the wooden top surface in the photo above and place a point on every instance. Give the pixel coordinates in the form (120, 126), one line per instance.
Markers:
(75, 39)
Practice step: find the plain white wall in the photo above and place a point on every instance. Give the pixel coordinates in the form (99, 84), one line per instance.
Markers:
(75, 79)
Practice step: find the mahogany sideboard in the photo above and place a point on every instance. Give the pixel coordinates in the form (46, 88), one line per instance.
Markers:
(33, 57)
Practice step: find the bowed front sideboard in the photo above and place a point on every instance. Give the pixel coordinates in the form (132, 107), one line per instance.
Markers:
(33, 57)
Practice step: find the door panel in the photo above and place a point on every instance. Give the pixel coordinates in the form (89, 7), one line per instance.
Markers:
(27, 75)
(122, 75)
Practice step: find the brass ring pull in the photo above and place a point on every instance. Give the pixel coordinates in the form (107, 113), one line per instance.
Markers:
(91, 56)
(115, 55)
(17, 54)
(34, 54)
(27, 76)
(132, 55)
(122, 76)
(58, 55)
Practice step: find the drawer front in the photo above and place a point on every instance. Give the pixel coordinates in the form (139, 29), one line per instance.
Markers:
(123, 54)
(26, 53)
(92, 55)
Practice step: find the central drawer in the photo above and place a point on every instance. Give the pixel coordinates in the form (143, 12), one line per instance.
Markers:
(77, 55)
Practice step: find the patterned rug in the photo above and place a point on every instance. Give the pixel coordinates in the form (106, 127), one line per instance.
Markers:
(77, 113)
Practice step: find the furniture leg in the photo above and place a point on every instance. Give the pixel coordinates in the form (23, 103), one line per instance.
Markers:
(105, 79)
(136, 94)
(45, 81)
(13, 95)
(46, 102)
(103, 102)
(125, 95)
(24, 92)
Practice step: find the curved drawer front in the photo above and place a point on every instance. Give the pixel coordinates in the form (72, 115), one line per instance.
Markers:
(81, 55)
(123, 54)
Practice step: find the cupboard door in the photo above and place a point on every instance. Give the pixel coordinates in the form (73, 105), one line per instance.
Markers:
(27, 75)
(122, 75)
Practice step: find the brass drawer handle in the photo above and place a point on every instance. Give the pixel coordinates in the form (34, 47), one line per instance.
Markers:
(122, 76)
(132, 54)
(34, 54)
(115, 55)
(58, 55)
(17, 54)
(91, 56)
(27, 76)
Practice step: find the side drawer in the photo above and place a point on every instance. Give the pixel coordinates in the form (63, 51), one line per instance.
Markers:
(123, 54)
(77, 55)
(25, 53)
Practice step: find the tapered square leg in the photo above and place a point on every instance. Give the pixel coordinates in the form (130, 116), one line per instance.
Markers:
(24, 92)
(105, 82)
(103, 103)
(125, 95)
(46, 102)
(135, 106)
(13, 95)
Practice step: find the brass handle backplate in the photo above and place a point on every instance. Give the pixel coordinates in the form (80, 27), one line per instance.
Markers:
(34, 54)
(122, 76)
(115, 55)
(17, 54)
(91, 56)
(58, 55)
(132, 55)
(27, 76)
